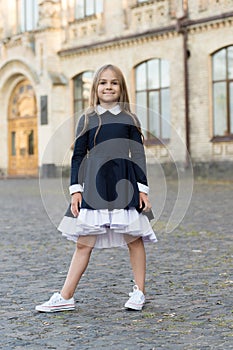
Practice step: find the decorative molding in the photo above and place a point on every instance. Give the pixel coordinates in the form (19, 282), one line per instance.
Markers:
(124, 41)
(208, 23)
(49, 13)
(20, 67)
(145, 3)
(210, 26)
(192, 26)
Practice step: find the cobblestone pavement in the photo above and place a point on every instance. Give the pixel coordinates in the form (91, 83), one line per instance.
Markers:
(189, 277)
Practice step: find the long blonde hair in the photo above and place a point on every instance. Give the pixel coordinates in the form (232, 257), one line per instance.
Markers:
(94, 100)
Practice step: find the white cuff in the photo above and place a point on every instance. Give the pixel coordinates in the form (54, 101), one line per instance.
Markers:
(143, 188)
(75, 188)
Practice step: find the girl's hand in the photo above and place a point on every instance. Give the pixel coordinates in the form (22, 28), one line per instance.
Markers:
(76, 200)
(144, 201)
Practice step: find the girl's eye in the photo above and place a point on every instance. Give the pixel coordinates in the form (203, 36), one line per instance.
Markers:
(105, 82)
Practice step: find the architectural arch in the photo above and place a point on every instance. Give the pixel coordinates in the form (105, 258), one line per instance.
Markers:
(12, 74)
(17, 67)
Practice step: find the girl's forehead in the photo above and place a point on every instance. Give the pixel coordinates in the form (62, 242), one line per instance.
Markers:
(108, 74)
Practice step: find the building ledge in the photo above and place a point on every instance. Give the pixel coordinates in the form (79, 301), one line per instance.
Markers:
(226, 138)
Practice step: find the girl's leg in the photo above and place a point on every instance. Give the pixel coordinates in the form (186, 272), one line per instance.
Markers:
(138, 260)
(78, 265)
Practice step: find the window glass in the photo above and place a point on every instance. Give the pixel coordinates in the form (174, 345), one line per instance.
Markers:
(28, 14)
(222, 65)
(152, 92)
(82, 85)
(22, 16)
(99, 6)
(153, 74)
(230, 62)
(141, 77)
(220, 109)
(79, 9)
(165, 113)
(84, 8)
(165, 74)
(231, 108)
(78, 88)
(219, 65)
(86, 83)
(78, 107)
(154, 117)
(90, 7)
(141, 102)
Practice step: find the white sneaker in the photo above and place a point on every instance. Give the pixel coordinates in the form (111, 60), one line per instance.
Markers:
(136, 300)
(56, 303)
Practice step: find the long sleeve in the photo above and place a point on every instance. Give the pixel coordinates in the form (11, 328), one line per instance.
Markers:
(138, 158)
(78, 158)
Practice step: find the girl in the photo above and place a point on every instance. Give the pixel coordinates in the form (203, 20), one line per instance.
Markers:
(108, 160)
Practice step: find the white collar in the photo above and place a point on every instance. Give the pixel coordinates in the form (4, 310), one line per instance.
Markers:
(114, 110)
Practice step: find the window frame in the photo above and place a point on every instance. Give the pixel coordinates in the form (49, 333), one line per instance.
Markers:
(228, 136)
(85, 9)
(151, 139)
(23, 15)
(81, 100)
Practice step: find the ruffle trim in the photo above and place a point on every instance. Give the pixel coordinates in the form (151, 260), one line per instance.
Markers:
(109, 226)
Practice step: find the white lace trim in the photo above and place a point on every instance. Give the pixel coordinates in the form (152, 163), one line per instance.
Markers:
(108, 226)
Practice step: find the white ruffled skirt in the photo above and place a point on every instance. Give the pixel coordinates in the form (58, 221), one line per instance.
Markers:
(108, 226)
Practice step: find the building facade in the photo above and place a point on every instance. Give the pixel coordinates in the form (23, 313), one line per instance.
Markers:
(177, 58)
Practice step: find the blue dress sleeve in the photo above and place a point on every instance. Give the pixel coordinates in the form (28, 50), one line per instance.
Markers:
(79, 154)
(138, 158)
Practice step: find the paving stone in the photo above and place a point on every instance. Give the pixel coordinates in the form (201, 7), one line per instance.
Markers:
(189, 276)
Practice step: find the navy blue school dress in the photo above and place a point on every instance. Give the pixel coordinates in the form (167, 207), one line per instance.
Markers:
(109, 168)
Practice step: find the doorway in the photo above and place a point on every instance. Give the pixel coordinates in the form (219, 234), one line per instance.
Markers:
(22, 131)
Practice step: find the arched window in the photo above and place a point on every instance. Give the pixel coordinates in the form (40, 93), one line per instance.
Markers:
(153, 98)
(222, 92)
(82, 84)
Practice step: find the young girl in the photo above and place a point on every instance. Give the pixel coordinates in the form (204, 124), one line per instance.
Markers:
(109, 190)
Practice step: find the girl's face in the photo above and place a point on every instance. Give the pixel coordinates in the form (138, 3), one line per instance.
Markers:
(108, 89)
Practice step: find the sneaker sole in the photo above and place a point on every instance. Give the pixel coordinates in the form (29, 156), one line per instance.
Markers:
(134, 306)
(55, 309)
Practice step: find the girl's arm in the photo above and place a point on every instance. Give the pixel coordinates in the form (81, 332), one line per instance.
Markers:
(78, 159)
(138, 158)
(77, 168)
(139, 163)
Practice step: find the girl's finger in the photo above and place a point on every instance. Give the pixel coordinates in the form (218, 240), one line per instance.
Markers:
(140, 203)
(145, 207)
(74, 209)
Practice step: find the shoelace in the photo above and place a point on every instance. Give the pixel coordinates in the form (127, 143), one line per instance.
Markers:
(55, 299)
(135, 289)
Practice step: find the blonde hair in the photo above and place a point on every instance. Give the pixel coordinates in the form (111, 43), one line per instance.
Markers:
(94, 100)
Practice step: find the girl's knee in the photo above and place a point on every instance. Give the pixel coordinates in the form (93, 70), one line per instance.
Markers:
(135, 243)
(86, 244)
(84, 248)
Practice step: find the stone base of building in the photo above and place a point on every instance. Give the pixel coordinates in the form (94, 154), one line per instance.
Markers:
(220, 171)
